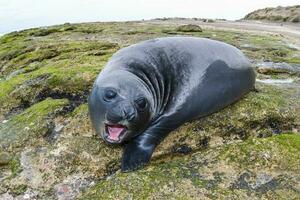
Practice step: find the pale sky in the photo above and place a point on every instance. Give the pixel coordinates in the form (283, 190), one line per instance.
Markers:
(22, 14)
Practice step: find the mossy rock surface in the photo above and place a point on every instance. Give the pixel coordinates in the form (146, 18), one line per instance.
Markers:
(189, 28)
(48, 149)
(31, 125)
(257, 168)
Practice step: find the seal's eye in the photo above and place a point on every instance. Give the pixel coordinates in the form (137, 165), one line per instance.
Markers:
(141, 103)
(109, 94)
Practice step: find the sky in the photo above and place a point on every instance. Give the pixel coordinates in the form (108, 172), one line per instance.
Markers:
(22, 14)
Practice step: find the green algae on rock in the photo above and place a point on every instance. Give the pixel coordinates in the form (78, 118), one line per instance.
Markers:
(189, 28)
(259, 114)
(33, 67)
(5, 158)
(256, 168)
(46, 75)
(27, 127)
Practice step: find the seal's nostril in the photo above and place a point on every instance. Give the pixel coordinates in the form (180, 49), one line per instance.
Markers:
(130, 117)
(114, 118)
(124, 113)
(127, 115)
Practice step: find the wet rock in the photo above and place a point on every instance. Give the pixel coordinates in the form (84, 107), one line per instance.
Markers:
(275, 81)
(54, 131)
(275, 68)
(182, 149)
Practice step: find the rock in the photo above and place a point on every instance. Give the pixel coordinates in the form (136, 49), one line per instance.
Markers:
(208, 20)
(31, 125)
(189, 28)
(4, 158)
(45, 79)
(71, 187)
(275, 81)
(276, 68)
(6, 196)
(238, 170)
(250, 47)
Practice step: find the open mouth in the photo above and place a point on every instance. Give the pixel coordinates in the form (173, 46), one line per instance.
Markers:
(115, 132)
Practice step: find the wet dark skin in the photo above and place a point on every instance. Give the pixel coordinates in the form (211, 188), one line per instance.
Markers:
(148, 89)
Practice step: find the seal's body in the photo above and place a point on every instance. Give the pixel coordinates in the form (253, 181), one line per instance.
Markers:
(148, 89)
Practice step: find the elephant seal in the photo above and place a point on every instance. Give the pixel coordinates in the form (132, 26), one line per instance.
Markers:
(148, 89)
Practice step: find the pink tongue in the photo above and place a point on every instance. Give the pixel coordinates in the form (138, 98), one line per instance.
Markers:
(114, 132)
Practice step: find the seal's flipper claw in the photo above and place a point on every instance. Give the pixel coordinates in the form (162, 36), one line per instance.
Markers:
(134, 157)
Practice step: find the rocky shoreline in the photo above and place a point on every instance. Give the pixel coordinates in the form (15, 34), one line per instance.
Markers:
(48, 149)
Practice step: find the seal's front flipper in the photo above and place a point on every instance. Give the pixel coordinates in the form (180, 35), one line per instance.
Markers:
(137, 152)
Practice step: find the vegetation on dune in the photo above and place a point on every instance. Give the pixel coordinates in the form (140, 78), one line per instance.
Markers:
(279, 14)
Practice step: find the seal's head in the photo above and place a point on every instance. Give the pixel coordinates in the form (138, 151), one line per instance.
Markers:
(120, 106)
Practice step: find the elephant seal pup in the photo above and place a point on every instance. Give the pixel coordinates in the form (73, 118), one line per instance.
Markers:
(148, 89)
